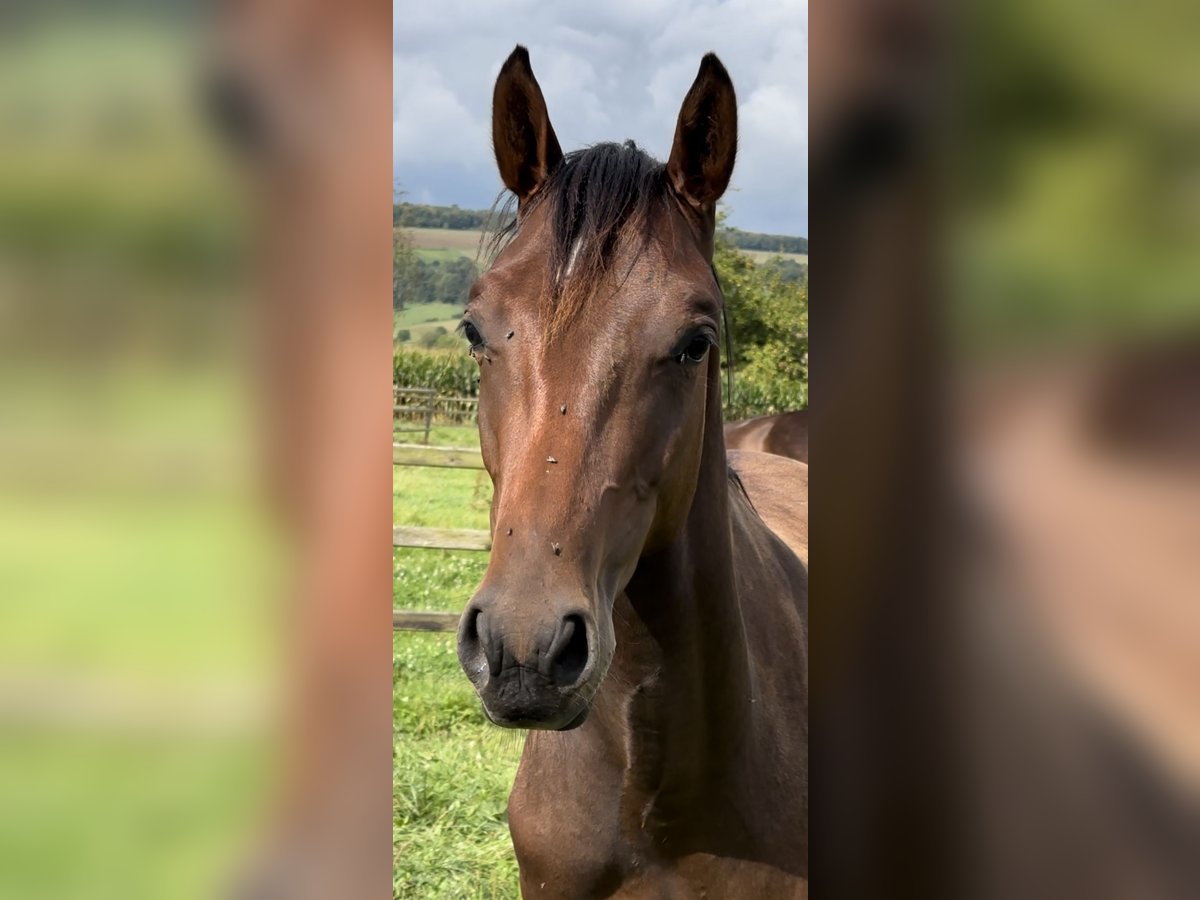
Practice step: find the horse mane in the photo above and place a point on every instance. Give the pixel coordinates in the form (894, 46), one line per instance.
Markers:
(736, 480)
(595, 198)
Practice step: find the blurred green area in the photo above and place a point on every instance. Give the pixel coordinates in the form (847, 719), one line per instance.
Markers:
(137, 648)
(1077, 158)
(121, 230)
(104, 153)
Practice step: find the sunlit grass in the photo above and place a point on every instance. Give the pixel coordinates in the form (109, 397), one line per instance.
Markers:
(428, 312)
(452, 770)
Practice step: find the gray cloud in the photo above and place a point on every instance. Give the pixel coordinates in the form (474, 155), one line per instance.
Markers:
(610, 71)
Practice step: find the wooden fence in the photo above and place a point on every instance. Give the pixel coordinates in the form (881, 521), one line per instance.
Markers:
(415, 408)
(435, 538)
(413, 404)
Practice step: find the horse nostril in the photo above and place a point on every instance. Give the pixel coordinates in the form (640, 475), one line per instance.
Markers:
(570, 651)
(493, 650)
(476, 646)
(470, 626)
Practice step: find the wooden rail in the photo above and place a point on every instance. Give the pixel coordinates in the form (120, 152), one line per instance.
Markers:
(435, 538)
(411, 620)
(441, 538)
(422, 405)
(436, 457)
(426, 411)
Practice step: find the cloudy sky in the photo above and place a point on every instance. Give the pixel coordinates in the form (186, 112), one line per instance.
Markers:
(610, 70)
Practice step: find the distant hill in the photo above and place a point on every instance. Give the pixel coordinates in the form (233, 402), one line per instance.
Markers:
(772, 243)
(416, 215)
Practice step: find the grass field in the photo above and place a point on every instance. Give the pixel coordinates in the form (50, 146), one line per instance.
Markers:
(452, 770)
(447, 243)
(763, 255)
(460, 243)
(418, 331)
(420, 313)
(424, 317)
(441, 254)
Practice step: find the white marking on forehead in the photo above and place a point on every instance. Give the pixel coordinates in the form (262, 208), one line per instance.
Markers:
(571, 258)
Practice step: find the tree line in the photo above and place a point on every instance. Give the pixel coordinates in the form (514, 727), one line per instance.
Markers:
(772, 243)
(432, 281)
(418, 215)
(787, 270)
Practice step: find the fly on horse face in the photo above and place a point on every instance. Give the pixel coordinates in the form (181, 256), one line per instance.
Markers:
(644, 612)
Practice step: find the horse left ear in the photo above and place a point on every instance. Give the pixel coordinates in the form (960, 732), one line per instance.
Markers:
(527, 150)
(705, 147)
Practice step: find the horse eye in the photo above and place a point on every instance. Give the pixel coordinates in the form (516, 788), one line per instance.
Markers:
(695, 351)
(471, 333)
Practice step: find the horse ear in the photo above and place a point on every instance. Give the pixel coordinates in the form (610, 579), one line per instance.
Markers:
(705, 145)
(527, 150)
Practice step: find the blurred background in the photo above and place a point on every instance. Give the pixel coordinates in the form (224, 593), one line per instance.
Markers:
(169, 543)
(1073, 278)
(135, 562)
(1073, 261)
(1006, 490)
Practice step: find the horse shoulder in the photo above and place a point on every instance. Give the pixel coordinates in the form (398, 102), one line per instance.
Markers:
(778, 490)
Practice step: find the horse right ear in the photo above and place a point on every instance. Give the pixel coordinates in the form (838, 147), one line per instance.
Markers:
(527, 150)
(705, 146)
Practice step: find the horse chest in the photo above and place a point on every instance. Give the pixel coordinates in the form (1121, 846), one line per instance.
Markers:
(647, 875)
(598, 836)
(567, 826)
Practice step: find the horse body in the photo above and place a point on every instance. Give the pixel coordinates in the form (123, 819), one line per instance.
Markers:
(644, 611)
(690, 752)
(785, 434)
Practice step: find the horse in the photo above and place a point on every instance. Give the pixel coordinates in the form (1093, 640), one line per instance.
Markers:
(644, 610)
(785, 434)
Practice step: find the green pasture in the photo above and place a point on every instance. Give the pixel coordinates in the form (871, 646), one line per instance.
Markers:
(421, 318)
(760, 256)
(445, 244)
(443, 254)
(460, 243)
(422, 313)
(135, 646)
(452, 770)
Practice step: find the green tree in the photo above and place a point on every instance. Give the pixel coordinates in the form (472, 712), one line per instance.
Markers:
(430, 338)
(768, 324)
(405, 268)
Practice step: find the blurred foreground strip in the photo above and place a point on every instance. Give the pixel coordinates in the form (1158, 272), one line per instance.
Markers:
(90, 706)
(1006, 652)
(1086, 470)
(138, 566)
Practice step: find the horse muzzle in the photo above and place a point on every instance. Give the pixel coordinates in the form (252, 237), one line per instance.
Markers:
(529, 674)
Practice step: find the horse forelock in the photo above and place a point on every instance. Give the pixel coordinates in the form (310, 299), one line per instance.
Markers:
(597, 201)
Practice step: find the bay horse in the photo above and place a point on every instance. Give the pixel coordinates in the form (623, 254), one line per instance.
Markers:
(785, 434)
(644, 610)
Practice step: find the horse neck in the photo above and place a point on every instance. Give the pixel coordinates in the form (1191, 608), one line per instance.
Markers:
(685, 598)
